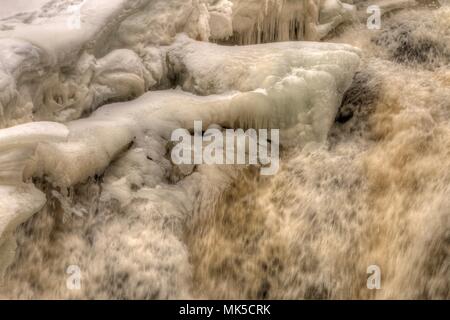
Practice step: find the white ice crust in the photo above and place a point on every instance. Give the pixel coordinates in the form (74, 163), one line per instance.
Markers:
(60, 61)
(122, 50)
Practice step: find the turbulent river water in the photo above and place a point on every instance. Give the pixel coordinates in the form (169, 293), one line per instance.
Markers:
(377, 193)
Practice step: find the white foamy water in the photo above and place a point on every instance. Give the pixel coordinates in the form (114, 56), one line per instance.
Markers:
(376, 194)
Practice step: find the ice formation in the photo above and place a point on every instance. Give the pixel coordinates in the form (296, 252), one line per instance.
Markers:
(52, 71)
(295, 86)
(364, 7)
(376, 194)
(20, 200)
(303, 82)
(112, 79)
(254, 21)
(77, 70)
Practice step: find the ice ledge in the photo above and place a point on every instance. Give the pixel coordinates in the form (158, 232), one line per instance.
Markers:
(19, 200)
(296, 87)
(53, 69)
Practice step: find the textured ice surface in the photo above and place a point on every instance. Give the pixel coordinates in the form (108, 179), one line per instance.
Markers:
(290, 85)
(18, 200)
(59, 62)
(206, 69)
(53, 68)
(257, 21)
(18, 203)
(296, 87)
(141, 227)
